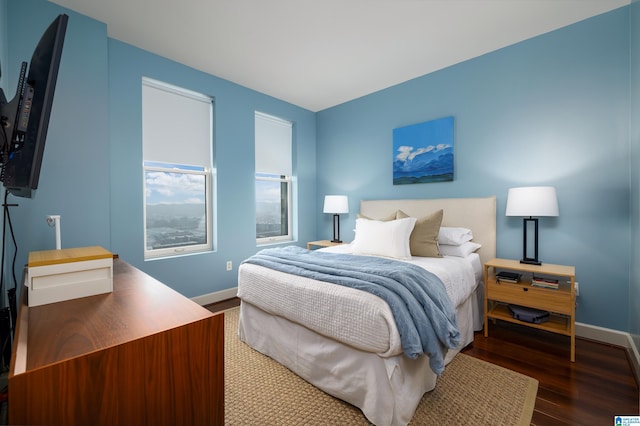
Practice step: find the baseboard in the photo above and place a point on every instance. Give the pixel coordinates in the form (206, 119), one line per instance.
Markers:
(216, 296)
(634, 356)
(612, 337)
(604, 335)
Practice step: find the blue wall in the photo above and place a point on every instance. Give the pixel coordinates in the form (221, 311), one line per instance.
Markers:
(552, 110)
(234, 157)
(4, 44)
(74, 180)
(92, 169)
(634, 291)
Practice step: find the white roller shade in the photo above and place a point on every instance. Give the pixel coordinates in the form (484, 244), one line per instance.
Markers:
(174, 119)
(273, 145)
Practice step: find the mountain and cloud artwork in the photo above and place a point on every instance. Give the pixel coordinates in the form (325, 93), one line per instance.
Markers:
(423, 153)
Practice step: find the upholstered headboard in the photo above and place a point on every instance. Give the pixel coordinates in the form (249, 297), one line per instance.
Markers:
(477, 214)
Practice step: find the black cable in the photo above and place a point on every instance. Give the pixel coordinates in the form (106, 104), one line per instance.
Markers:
(11, 293)
(15, 244)
(4, 148)
(3, 124)
(4, 157)
(6, 362)
(5, 210)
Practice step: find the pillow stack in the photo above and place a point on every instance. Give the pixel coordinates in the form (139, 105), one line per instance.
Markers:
(400, 236)
(456, 241)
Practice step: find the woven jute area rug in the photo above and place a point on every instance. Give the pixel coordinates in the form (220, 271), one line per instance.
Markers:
(259, 391)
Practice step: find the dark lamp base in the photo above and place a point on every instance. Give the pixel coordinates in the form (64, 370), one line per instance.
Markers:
(530, 261)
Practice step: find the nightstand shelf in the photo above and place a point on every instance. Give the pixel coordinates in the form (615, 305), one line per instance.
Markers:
(556, 324)
(560, 303)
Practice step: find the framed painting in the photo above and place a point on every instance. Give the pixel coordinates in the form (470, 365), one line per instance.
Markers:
(423, 153)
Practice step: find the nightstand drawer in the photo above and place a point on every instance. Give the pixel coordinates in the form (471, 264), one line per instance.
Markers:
(558, 301)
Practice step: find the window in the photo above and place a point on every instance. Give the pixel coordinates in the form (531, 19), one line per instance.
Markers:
(177, 134)
(273, 179)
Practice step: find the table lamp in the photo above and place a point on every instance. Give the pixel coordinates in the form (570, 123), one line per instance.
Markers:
(528, 202)
(336, 204)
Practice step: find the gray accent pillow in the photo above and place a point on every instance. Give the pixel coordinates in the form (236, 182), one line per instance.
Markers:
(424, 237)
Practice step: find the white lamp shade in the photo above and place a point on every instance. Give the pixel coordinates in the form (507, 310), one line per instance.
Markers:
(336, 204)
(532, 201)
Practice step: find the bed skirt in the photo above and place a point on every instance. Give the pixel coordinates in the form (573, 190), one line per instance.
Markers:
(386, 389)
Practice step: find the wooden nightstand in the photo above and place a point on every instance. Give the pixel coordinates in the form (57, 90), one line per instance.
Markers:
(560, 302)
(321, 243)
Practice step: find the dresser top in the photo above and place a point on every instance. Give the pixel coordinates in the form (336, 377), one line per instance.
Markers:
(139, 306)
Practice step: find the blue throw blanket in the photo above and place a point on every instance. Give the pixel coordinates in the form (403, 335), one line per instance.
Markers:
(423, 312)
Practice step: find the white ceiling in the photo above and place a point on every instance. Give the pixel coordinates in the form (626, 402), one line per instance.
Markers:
(320, 53)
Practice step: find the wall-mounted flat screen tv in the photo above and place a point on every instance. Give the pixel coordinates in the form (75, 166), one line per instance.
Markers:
(25, 119)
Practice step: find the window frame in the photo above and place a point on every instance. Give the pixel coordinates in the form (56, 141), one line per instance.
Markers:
(275, 170)
(185, 249)
(204, 168)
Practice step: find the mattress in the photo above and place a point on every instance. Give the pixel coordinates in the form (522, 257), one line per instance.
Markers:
(350, 316)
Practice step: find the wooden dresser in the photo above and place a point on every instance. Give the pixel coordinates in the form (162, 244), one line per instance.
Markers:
(141, 355)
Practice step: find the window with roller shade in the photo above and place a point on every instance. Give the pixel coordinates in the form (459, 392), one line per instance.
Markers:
(273, 137)
(178, 173)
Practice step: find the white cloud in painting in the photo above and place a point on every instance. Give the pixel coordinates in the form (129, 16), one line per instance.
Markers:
(407, 153)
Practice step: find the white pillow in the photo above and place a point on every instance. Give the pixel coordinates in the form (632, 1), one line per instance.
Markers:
(388, 239)
(462, 250)
(454, 236)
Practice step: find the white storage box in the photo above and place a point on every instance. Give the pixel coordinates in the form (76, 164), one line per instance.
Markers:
(57, 275)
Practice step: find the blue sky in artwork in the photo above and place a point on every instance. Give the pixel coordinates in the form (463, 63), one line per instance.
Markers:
(423, 150)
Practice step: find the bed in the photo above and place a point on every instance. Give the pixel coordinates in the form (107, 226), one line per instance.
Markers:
(346, 341)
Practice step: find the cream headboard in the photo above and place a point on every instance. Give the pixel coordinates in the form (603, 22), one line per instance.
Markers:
(477, 214)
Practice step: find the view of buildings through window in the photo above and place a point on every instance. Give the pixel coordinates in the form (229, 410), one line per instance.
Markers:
(176, 208)
(272, 213)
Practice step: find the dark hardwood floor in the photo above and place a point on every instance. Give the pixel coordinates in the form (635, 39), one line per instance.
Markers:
(591, 391)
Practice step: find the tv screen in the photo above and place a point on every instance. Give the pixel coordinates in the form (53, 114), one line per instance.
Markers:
(25, 119)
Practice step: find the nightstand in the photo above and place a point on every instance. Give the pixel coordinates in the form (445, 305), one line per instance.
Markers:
(321, 243)
(560, 302)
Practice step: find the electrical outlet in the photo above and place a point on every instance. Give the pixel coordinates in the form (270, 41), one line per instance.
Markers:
(229, 265)
(577, 285)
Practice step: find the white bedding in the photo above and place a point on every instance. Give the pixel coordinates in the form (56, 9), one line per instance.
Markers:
(351, 316)
(387, 388)
(369, 371)
(459, 275)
